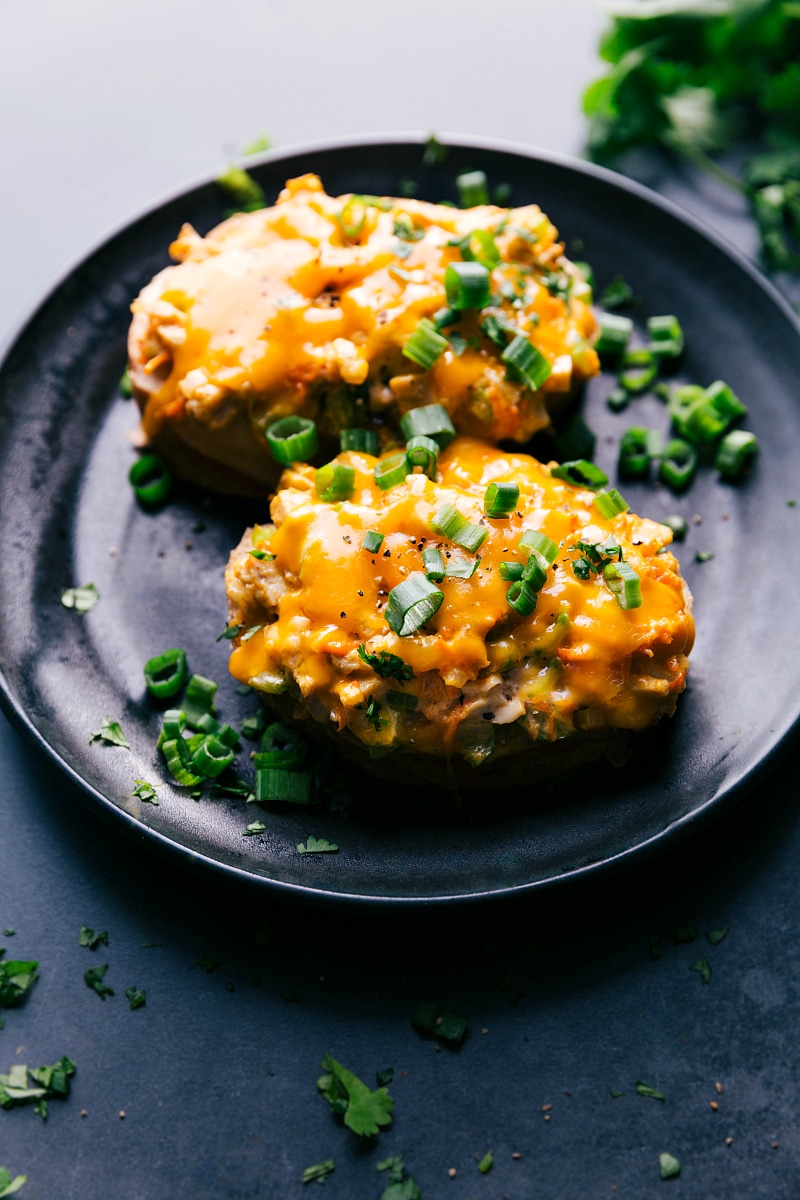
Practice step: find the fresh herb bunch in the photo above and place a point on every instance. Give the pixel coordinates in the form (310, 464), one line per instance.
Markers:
(698, 76)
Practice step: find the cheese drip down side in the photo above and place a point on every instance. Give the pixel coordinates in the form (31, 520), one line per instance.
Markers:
(579, 662)
(294, 310)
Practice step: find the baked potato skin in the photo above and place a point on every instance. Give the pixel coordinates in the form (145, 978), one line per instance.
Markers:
(288, 310)
(494, 695)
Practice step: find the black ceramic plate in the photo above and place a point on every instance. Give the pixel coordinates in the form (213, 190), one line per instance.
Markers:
(67, 517)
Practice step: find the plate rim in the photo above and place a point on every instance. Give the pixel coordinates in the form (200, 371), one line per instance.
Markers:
(661, 840)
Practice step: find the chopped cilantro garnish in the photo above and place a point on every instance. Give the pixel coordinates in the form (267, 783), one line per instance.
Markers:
(372, 713)
(251, 632)
(713, 936)
(643, 1089)
(16, 979)
(615, 1095)
(254, 828)
(262, 556)
(401, 1186)
(81, 599)
(91, 940)
(9, 932)
(388, 666)
(9, 1186)
(253, 727)
(435, 153)
(93, 978)
(209, 962)
(616, 294)
(145, 791)
(136, 997)
(111, 732)
(703, 968)
(230, 632)
(486, 1163)
(318, 1173)
(317, 846)
(363, 1111)
(384, 1078)
(50, 1082)
(669, 1166)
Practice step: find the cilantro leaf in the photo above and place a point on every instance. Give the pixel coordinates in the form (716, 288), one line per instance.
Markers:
(52, 1081)
(703, 968)
(145, 791)
(87, 937)
(388, 666)
(400, 1186)
(317, 846)
(616, 294)
(81, 599)
(713, 936)
(111, 732)
(254, 828)
(384, 1077)
(93, 978)
(643, 1089)
(9, 1186)
(372, 712)
(16, 980)
(364, 1111)
(230, 632)
(136, 997)
(319, 1173)
(669, 1166)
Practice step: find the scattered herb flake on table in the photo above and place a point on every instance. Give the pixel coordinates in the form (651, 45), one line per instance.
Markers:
(145, 791)
(48, 1083)
(254, 828)
(615, 1094)
(87, 937)
(486, 1163)
(9, 1186)
(363, 1110)
(643, 1089)
(317, 846)
(320, 1172)
(401, 1186)
(384, 1077)
(111, 732)
(715, 936)
(81, 599)
(703, 968)
(669, 1166)
(136, 997)
(9, 932)
(16, 980)
(93, 978)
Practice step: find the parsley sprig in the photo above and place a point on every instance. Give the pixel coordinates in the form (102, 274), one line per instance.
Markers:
(362, 1110)
(388, 666)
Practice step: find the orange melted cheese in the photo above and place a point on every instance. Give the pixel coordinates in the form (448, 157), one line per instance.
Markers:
(579, 661)
(273, 307)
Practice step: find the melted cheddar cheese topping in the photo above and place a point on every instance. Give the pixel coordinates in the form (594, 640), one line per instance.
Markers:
(274, 310)
(579, 661)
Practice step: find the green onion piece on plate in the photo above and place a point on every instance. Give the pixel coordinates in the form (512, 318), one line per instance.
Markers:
(433, 563)
(634, 457)
(525, 363)
(151, 481)
(479, 246)
(610, 504)
(624, 583)
(372, 541)
(615, 333)
(431, 420)
(500, 499)
(534, 539)
(473, 189)
(450, 523)
(284, 787)
(422, 451)
(736, 452)
(211, 757)
(164, 674)
(179, 761)
(467, 285)
(444, 317)
(678, 524)
(292, 439)
(678, 464)
(391, 470)
(172, 725)
(363, 440)
(639, 371)
(425, 345)
(511, 571)
(666, 336)
(412, 603)
(580, 473)
(334, 482)
(199, 698)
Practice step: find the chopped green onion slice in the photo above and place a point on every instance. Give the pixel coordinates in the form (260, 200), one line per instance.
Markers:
(199, 698)
(165, 673)
(737, 450)
(707, 418)
(678, 524)
(580, 473)
(467, 285)
(151, 481)
(125, 386)
(480, 246)
(334, 482)
(511, 570)
(433, 563)
(363, 440)
(526, 363)
(534, 540)
(624, 583)
(634, 453)
(352, 216)
(178, 758)
(449, 522)
(211, 757)
(412, 603)
(666, 336)
(292, 439)
(372, 541)
(678, 464)
(282, 748)
(173, 724)
(391, 470)
(401, 700)
(586, 273)
(498, 328)
(535, 571)
(500, 499)
(615, 333)
(431, 420)
(207, 724)
(640, 370)
(422, 451)
(459, 567)
(444, 317)
(473, 189)
(425, 345)
(610, 504)
(618, 399)
(286, 787)
(522, 598)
